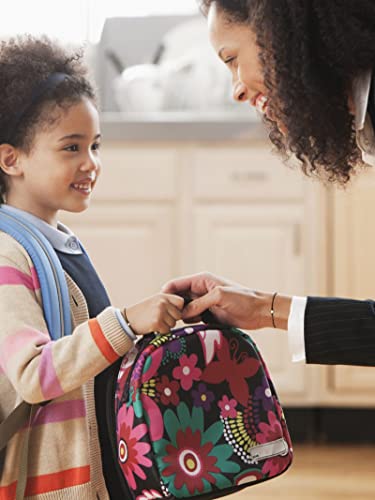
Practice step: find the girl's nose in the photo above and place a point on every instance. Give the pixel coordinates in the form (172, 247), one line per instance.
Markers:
(91, 163)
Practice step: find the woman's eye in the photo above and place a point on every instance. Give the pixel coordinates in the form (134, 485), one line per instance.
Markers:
(73, 147)
(229, 60)
(96, 146)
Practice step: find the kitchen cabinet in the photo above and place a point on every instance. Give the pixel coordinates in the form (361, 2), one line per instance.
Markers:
(160, 211)
(353, 275)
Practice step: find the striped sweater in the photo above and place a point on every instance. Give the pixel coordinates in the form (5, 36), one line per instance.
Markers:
(64, 454)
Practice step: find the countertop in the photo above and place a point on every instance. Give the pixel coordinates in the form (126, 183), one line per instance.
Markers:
(181, 126)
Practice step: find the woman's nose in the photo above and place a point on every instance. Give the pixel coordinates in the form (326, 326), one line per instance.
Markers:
(240, 92)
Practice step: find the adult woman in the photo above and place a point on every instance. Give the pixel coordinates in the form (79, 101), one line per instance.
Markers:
(308, 66)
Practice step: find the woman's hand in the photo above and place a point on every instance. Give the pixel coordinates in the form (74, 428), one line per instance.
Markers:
(158, 313)
(229, 302)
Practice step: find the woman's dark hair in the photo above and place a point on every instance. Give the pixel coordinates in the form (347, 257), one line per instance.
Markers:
(310, 51)
(25, 63)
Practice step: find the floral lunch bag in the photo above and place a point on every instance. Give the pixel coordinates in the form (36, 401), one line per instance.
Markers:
(197, 416)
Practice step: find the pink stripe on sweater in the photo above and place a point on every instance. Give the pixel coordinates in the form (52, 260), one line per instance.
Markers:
(13, 276)
(35, 279)
(60, 412)
(12, 344)
(48, 378)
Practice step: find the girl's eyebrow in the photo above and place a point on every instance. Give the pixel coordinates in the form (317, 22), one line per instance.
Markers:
(77, 136)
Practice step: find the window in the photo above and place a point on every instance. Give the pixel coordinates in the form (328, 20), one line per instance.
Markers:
(79, 20)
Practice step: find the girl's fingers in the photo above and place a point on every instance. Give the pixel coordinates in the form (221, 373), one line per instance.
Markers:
(175, 313)
(176, 301)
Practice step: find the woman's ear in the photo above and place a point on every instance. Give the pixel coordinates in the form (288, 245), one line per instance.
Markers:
(10, 160)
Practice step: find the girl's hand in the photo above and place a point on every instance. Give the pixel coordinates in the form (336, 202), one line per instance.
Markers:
(158, 313)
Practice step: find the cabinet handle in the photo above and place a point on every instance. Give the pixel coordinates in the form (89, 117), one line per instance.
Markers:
(297, 240)
(246, 176)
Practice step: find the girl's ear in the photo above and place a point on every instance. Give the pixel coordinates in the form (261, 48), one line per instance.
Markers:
(10, 160)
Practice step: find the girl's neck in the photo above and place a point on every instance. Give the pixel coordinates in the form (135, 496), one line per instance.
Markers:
(22, 204)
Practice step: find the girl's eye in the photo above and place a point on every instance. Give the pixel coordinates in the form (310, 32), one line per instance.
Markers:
(96, 146)
(73, 148)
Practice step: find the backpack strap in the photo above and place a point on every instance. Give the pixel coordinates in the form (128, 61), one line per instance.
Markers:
(55, 294)
(56, 310)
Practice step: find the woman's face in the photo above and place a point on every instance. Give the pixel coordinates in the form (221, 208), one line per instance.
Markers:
(235, 44)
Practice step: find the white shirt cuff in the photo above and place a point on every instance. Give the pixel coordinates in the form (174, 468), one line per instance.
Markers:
(296, 329)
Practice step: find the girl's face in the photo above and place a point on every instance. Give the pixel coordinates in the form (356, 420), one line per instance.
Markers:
(61, 170)
(235, 44)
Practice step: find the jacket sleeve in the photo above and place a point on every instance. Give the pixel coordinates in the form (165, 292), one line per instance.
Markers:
(340, 331)
(39, 368)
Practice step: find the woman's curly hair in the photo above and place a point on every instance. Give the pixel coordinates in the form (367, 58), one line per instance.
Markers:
(310, 51)
(26, 62)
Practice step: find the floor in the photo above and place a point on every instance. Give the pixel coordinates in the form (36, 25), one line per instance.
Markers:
(321, 473)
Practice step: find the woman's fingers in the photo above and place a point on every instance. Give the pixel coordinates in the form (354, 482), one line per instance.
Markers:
(178, 286)
(201, 304)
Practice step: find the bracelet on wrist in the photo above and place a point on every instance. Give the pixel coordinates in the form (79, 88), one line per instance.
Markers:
(273, 309)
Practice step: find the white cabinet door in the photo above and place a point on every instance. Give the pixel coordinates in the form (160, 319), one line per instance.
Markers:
(259, 246)
(131, 246)
(354, 276)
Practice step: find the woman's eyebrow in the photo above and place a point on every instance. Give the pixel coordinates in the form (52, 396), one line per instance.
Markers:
(220, 53)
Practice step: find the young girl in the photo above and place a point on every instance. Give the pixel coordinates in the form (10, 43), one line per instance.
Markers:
(50, 161)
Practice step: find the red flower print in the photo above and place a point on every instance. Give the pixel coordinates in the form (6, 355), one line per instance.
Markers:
(228, 407)
(167, 391)
(131, 451)
(271, 432)
(187, 372)
(190, 461)
(233, 366)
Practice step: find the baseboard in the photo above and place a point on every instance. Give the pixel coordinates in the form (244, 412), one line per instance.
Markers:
(331, 425)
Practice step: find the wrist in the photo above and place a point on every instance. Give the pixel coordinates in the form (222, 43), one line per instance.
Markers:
(127, 325)
(281, 310)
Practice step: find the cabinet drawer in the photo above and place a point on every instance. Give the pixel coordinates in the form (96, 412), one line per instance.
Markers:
(136, 174)
(242, 175)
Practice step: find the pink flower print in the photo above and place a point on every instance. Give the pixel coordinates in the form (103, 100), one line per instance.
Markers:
(131, 451)
(168, 391)
(149, 495)
(270, 432)
(187, 372)
(228, 407)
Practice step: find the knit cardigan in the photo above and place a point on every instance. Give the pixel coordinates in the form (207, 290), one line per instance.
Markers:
(64, 455)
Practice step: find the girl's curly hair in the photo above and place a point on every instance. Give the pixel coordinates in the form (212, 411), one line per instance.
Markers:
(310, 51)
(26, 62)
